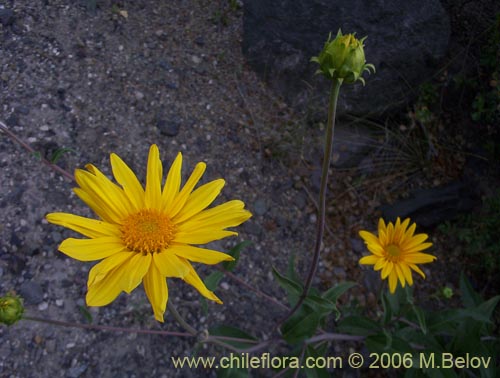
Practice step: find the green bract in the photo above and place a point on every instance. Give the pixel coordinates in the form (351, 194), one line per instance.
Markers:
(11, 309)
(343, 58)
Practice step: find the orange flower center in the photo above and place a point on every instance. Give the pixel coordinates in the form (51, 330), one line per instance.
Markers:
(393, 251)
(148, 231)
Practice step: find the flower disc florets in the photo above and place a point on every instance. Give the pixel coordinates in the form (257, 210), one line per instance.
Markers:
(343, 58)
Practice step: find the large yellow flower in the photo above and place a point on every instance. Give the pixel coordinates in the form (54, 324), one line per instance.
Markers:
(396, 251)
(144, 235)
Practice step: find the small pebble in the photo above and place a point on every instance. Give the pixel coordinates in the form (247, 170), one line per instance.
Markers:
(224, 285)
(59, 302)
(43, 306)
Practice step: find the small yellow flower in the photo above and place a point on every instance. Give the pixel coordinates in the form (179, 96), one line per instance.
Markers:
(145, 235)
(396, 251)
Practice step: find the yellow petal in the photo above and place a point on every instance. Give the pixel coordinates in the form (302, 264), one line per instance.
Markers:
(97, 185)
(229, 214)
(201, 255)
(98, 206)
(400, 274)
(376, 249)
(99, 271)
(169, 265)
(393, 281)
(417, 269)
(369, 260)
(381, 263)
(183, 196)
(91, 249)
(153, 179)
(91, 228)
(202, 237)
(199, 200)
(155, 286)
(172, 184)
(105, 290)
(414, 241)
(409, 233)
(418, 248)
(194, 280)
(368, 237)
(419, 258)
(387, 269)
(136, 268)
(381, 225)
(407, 273)
(129, 182)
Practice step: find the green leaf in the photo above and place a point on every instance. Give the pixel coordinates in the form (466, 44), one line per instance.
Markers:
(291, 273)
(335, 292)
(292, 288)
(86, 313)
(59, 153)
(302, 325)
(469, 297)
(213, 280)
(385, 342)
(315, 372)
(386, 305)
(419, 313)
(228, 331)
(235, 252)
(232, 373)
(358, 325)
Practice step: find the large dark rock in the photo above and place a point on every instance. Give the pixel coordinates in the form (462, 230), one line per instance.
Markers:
(406, 40)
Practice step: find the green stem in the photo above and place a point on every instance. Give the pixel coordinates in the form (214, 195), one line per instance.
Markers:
(332, 110)
(105, 328)
(171, 308)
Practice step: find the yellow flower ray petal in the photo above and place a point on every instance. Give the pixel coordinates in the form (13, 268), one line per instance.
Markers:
(99, 270)
(407, 273)
(105, 290)
(199, 200)
(414, 241)
(183, 195)
(387, 269)
(194, 280)
(400, 274)
(380, 264)
(172, 184)
(200, 255)
(128, 180)
(87, 184)
(91, 249)
(393, 281)
(417, 248)
(369, 260)
(416, 269)
(155, 286)
(153, 179)
(95, 183)
(136, 269)
(170, 265)
(98, 206)
(419, 258)
(91, 228)
(202, 237)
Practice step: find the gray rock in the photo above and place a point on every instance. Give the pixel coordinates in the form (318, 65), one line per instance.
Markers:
(430, 207)
(169, 127)
(405, 42)
(260, 207)
(31, 292)
(6, 17)
(76, 371)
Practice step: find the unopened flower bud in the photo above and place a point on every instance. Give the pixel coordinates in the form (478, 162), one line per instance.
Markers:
(11, 309)
(447, 292)
(343, 58)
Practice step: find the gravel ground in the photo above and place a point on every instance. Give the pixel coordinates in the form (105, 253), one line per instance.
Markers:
(98, 80)
(103, 76)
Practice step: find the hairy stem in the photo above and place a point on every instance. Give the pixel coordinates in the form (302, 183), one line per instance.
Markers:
(320, 226)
